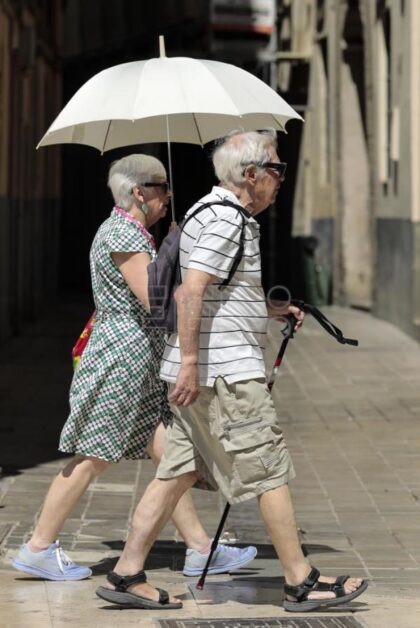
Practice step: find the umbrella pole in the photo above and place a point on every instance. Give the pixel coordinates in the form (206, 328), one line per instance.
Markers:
(170, 170)
(162, 54)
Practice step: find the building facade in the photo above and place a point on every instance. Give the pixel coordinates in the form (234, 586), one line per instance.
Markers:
(359, 165)
(49, 206)
(30, 95)
(351, 200)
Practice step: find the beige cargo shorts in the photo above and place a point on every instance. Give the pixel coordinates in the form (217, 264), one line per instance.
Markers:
(231, 436)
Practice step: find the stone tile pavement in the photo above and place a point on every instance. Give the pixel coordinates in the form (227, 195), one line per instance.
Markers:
(351, 418)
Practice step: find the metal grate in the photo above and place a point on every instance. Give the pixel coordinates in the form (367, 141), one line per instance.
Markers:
(264, 622)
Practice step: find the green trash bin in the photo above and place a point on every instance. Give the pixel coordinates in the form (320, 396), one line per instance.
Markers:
(312, 280)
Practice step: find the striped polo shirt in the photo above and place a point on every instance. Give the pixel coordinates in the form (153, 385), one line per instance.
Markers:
(233, 319)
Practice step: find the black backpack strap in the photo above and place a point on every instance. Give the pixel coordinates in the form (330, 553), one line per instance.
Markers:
(329, 327)
(224, 201)
(196, 211)
(239, 253)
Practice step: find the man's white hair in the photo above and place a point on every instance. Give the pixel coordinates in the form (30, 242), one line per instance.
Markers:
(239, 149)
(130, 171)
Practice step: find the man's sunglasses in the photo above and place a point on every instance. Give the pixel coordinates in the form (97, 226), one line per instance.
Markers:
(150, 184)
(278, 167)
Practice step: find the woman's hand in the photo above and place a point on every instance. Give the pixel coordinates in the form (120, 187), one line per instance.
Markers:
(172, 226)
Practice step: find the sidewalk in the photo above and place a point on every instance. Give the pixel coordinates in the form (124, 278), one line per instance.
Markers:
(351, 418)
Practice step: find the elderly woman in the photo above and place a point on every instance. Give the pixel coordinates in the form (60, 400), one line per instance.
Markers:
(119, 406)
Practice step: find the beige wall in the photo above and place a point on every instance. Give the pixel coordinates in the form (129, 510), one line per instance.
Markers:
(313, 190)
(360, 170)
(414, 121)
(393, 180)
(355, 233)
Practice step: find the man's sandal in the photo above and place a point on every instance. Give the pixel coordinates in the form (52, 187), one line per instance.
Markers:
(125, 599)
(301, 593)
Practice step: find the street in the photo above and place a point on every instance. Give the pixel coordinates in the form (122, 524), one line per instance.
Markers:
(351, 418)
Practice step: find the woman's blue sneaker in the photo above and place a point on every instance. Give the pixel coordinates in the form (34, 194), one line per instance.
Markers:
(225, 558)
(50, 564)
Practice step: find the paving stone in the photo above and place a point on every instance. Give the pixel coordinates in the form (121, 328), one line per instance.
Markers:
(350, 418)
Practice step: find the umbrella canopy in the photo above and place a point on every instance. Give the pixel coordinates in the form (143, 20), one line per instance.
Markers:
(176, 99)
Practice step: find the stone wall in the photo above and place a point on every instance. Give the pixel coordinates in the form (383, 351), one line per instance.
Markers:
(30, 95)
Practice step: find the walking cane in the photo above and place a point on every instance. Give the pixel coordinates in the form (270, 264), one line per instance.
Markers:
(288, 333)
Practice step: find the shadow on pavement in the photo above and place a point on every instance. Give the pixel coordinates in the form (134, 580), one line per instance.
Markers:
(170, 555)
(164, 555)
(313, 548)
(35, 376)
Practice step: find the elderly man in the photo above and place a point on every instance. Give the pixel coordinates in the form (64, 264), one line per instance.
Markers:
(226, 433)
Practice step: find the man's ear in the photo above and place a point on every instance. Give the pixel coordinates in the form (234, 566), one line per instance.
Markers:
(138, 194)
(250, 174)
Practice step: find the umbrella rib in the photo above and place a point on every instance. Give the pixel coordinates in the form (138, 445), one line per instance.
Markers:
(283, 128)
(198, 130)
(106, 137)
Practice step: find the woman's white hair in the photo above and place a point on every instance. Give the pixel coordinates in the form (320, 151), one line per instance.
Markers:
(130, 171)
(239, 149)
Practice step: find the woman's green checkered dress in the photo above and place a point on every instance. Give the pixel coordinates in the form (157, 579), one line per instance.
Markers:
(116, 397)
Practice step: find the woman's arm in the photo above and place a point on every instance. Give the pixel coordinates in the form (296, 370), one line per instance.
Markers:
(133, 267)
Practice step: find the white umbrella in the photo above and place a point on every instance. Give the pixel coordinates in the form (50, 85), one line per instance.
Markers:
(176, 99)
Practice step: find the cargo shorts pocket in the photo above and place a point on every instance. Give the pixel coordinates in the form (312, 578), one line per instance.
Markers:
(251, 444)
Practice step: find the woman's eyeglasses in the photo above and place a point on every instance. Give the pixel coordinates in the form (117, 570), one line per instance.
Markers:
(278, 167)
(152, 184)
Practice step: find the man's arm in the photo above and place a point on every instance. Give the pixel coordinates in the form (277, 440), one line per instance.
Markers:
(189, 299)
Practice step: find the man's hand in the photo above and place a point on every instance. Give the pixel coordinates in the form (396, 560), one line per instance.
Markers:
(298, 314)
(186, 388)
(278, 310)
